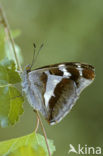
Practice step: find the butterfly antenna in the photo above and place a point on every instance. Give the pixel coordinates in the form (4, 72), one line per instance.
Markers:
(35, 56)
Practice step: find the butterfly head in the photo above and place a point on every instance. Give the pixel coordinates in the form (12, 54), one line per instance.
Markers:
(28, 68)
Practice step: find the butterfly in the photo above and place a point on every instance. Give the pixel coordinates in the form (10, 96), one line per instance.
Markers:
(53, 90)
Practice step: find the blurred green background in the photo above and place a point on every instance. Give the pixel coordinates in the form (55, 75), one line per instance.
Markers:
(71, 30)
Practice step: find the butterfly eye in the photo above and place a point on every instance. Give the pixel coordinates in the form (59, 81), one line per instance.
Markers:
(28, 68)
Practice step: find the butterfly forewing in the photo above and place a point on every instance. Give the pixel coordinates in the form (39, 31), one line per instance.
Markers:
(53, 90)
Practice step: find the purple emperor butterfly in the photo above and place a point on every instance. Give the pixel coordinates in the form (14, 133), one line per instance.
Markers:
(53, 90)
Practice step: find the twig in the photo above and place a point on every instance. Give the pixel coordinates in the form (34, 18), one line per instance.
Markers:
(45, 136)
(7, 29)
(37, 124)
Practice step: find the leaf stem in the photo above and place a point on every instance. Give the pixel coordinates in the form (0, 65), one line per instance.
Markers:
(9, 35)
(44, 132)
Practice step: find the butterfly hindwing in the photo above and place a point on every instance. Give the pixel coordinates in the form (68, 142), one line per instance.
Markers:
(53, 90)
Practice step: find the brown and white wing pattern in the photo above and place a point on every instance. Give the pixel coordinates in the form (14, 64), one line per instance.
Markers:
(53, 90)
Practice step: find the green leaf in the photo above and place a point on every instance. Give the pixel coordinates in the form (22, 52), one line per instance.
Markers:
(15, 33)
(10, 53)
(8, 73)
(10, 100)
(30, 145)
(28, 151)
(6, 49)
(15, 102)
(2, 43)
